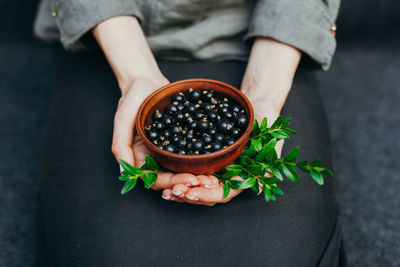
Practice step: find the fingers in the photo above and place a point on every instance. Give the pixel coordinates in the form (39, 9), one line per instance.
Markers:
(210, 196)
(208, 181)
(167, 195)
(168, 180)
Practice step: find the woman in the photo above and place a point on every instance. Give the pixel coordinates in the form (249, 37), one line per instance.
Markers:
(256, 46)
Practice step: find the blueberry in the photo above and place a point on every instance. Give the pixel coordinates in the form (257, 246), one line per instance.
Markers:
(158, 125)
(229, 141)
(177, 97)
(212, 131)
(208, 95)
(235, 132)
(171, 109)
(189, 136)
(219, 137)
(181, 143)
(152, 134)
(195, 95)
(203, 126)
(224, 105)
(170, 148)
(167, 133)
(167, 120)
(192, 125)
(241, 121)
(182, 151)
(198, 115)
(223, 110)
(207, 139)
(186, 102)
(191, 109)
(175, 139)
(188, 119)
(198, 145)
(212, 116)
(235, 108)
(214, 101)
(157, 116)
(216, 146)
(224, 126)
(179, 116)
(160, 146)
(175, 129)
(206, 107)
(227, 115)
(180, 107)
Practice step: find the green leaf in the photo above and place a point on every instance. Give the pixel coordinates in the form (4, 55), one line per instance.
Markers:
(257, 144)
(276, 173)
(277, 123)
(264, 125)
(265, 149)
(128, 186)
(235, 184)
(149, 179)
(279, 134)
(267, 194)
(292, 155)
(124, 177)
(276, 190)
(226, 190)
(235, 169)
(256, 129)
(303, 165)
(249, 182)
(290, 173)
(251, 152)
(270, 180)
(129, 168)
(151, 164)
(288, 131)
(327, 172)
(255, 188)
(228, 175)
(315, 163)
(286, 122)
(317, 177)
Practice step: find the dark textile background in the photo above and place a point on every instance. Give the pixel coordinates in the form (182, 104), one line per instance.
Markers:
(361, 94)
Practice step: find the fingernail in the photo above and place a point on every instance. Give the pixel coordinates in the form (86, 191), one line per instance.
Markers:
(195, 182)
(192, 198)
(208, 186)
(120, 168)
(178, 194)
(167, 197)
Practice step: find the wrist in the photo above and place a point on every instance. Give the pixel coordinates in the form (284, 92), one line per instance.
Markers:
(270, 72)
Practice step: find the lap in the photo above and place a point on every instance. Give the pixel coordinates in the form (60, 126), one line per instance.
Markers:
(87, 222)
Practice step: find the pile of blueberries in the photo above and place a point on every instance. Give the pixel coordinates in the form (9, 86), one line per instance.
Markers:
(197, 122)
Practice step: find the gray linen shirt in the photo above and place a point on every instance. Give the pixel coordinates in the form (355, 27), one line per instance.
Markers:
(199, 29)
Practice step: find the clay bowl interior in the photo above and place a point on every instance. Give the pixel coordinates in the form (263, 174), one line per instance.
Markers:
(195, 164)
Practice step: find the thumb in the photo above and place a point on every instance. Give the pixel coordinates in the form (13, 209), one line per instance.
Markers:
(124, 124)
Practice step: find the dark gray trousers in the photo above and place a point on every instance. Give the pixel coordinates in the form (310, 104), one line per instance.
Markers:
(86, 222)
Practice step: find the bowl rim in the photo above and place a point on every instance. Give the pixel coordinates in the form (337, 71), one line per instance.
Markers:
(214, 154)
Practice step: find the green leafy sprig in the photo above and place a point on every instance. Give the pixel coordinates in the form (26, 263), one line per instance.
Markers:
(256, 160)
(259, 158)
(130, 174)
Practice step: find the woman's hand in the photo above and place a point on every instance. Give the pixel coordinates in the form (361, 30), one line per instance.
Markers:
(138, 75)
(267, 82)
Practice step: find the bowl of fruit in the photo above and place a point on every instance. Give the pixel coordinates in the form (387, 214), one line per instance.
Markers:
(196, 126)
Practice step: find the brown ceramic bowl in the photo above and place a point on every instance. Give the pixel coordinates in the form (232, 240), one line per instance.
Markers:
(195, 164)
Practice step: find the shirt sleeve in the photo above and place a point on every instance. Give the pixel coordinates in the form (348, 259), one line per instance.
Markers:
(308, 25)
(74, 18)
